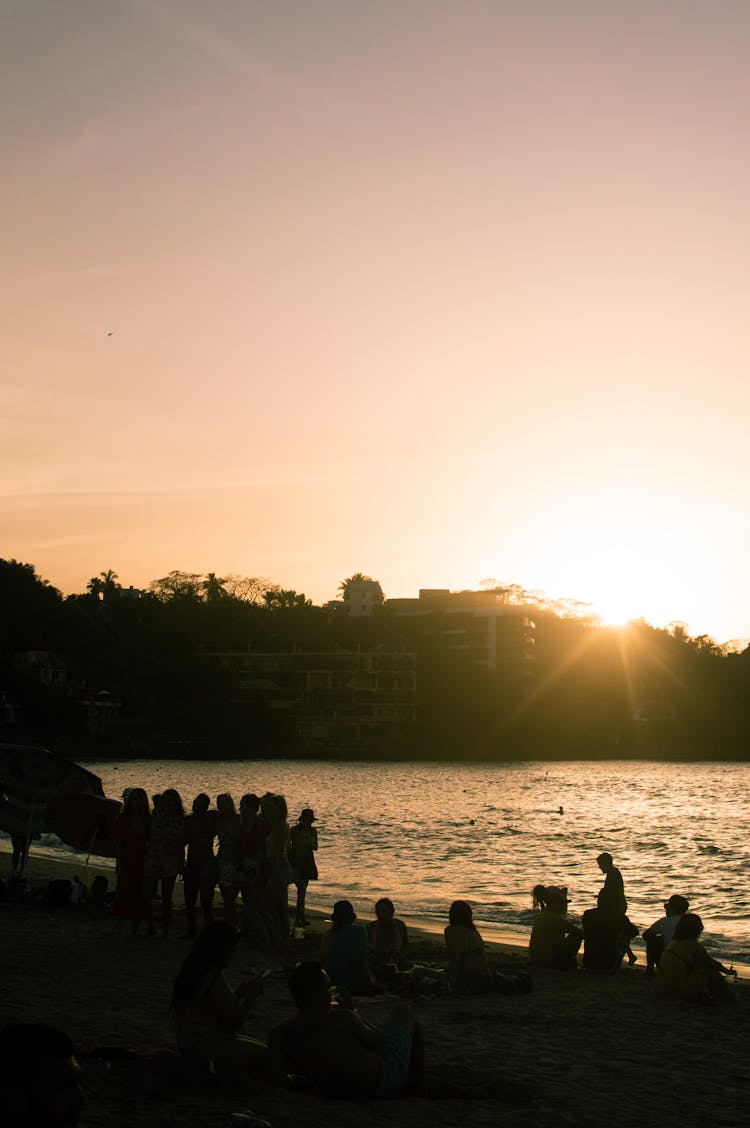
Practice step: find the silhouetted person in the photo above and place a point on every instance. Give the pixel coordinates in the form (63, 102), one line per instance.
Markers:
(661, 932)
(344, 951)
(612, 894)
(338, 1051)
(388, 941)
(606, 938)
(39, 1078)
(686, 971)
(554, 940)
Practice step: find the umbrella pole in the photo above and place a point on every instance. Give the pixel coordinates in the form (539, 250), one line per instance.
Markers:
(91, 847)
(25, 857)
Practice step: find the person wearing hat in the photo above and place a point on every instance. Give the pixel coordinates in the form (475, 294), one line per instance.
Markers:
(345, 951)
(304, 843)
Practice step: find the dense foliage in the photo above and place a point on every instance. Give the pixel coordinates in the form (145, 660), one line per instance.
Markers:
(588, 692)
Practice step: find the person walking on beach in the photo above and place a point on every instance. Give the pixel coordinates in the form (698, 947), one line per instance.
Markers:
(612, 894)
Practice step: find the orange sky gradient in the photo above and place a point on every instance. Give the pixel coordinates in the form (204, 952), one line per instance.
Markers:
(435, 291)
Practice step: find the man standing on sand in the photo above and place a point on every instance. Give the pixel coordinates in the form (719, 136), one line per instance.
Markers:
(612, 895)
(332, 1046)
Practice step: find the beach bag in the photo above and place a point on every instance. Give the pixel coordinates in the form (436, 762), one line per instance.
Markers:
(58, 893)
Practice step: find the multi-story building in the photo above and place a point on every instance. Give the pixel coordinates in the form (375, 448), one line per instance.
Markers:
(336, 698)
(476, 625)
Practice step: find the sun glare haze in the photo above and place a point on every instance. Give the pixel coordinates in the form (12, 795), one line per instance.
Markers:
(436, 290)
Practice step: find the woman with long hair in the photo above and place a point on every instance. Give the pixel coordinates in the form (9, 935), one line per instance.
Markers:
(132, 830)
(277, 870)
(167, 850)
(229, 829)
(207, 1012)
(468, 969)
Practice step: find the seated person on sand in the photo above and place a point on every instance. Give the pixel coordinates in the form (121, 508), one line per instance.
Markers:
(554, 940)
(207, 1012)
(40, 1078)
(606, 939)
(468, 969)
(344, 951)
(659, 934)
(686, 971)
(332, 1047)
(388, 940)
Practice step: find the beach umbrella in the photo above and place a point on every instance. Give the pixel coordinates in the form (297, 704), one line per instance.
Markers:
(29, 778)
(85, 822)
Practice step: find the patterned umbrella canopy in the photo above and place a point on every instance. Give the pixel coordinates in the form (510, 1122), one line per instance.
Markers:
(29, 778)
(85, 822)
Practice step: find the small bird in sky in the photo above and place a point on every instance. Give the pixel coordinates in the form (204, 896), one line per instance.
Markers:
(110, 333)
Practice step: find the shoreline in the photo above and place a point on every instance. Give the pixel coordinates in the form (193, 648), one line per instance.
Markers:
(498, 940)
(592, 1050)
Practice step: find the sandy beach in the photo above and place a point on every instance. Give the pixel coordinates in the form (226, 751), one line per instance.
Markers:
(595, 1051)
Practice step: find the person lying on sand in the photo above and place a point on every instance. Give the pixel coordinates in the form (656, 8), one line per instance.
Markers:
(342, 1055)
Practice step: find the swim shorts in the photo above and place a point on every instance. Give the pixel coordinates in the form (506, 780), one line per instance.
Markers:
(395, 1055)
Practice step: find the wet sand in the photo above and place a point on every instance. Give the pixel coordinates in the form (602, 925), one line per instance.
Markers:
(595, 1051)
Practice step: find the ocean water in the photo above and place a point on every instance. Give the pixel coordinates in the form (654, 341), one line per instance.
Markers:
(427, 834)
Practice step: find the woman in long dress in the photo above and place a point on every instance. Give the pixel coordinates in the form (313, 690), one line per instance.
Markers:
(131, 833)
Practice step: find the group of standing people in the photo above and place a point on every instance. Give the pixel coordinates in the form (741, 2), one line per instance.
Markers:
(251, 852)
(675, 958)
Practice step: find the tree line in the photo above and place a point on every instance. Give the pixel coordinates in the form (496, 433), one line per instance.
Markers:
(588, 691)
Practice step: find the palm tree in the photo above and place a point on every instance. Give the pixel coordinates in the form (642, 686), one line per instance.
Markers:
(213, 588)
(359, 578)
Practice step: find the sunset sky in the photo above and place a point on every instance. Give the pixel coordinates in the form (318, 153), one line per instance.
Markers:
(438, 291)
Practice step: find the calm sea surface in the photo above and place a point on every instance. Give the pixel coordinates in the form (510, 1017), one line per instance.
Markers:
(426, 834)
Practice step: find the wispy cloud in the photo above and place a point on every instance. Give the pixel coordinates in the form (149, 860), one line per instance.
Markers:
(306, 99)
